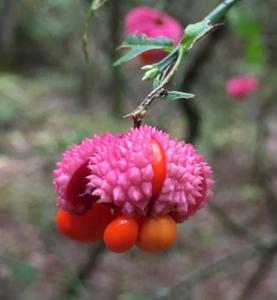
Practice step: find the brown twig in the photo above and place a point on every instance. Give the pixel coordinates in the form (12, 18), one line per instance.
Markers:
(258, 276)
(138, 114)
(72, 288)
(233, 227)
(178, 54)
(260, 170)
(115, 35)
(262, 177)
(193, 68)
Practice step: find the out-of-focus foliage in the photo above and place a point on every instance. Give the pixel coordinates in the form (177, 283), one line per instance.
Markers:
(43, 29)
(246, 24)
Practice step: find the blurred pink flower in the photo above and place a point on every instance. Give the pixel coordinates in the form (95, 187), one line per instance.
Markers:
(117, 169)
(241, 86)
(153, 23)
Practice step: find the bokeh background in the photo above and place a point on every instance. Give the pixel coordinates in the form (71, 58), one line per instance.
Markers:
(50, 98)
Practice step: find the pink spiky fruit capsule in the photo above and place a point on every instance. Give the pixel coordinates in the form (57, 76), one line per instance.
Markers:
(120, 170)
(152, 23)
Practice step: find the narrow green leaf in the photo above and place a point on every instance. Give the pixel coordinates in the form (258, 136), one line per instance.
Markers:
(174, 95)
(194, 32)
(156, 82)
(168, 60)
(151, 74)
(141, 43)
(142, 40)
(133, 53)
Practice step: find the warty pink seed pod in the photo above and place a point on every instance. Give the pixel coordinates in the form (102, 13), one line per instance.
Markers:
(119, 171)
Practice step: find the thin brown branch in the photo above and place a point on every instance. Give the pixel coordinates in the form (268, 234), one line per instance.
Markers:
(262, 177)
(232, 226)
(193, 68)
(261, 171)
(72, 287)
(177, 56)
(140, 111)
(258, 276)
(116, 80)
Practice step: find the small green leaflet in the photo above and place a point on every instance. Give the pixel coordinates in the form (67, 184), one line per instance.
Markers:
(194, 32)
(156, 82)
(142, 40)
(151, 74)
(141, 43)
(174, 95)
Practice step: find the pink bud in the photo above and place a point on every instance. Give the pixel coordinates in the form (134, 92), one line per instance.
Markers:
(241, 86)
(153, 23)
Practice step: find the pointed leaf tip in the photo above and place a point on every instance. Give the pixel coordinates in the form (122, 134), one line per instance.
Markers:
(174, 95)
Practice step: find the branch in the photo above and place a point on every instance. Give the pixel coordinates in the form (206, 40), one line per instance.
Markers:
(158, 92)
(258, 276)
(173, 60)
(72, 288)
(191, 71)
(220, 11)
(116, 82)
(234, 227)
(262, 172)
(262, 177)
(238, 256)
(94, 6)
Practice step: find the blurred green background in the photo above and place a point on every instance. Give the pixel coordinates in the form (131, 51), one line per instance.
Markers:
(50, 98)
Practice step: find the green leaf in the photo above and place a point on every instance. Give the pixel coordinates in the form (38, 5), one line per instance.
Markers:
(156, 82)
(247, 26)
(142, 40)
(151, 74)
(174, 95)
(194, 32)
(133, 53)
(244, 23)
(157, 69)
(141, 43)
(255, 52)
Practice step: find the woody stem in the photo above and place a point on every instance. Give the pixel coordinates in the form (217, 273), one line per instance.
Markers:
(176, 57)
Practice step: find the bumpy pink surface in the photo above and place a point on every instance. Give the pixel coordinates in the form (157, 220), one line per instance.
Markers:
(241, 86)
(73, 161)
(121, 173)
(153, 23)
